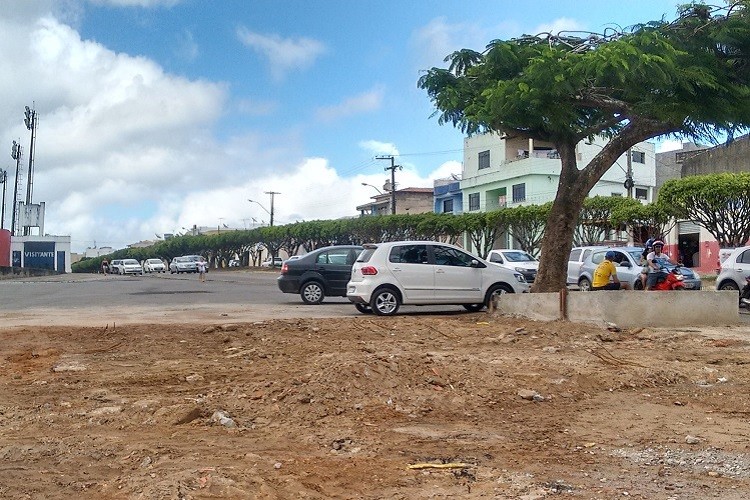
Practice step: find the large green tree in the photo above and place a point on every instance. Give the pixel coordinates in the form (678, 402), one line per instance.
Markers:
(718, 202)
(689, 76)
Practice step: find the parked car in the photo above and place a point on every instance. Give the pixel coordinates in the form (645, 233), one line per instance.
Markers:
(387, 275)
(184, 264)
(154, 266)
(321, 273)
(734, 270)
(515, 260)
(577, 256)
(628, 262)
(115, 267)
(276, 262)
(234, 263)
(130, 266)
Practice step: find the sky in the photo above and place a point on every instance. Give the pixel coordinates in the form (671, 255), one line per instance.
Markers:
(155, 116)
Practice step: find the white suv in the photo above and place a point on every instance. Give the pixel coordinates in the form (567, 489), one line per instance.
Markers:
(387, 275)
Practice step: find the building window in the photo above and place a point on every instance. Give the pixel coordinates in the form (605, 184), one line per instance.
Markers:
(639, 156)
(519, 193)
(641, 194)
(617, 194)
(484, 160)
(474, 201)
(448, 206)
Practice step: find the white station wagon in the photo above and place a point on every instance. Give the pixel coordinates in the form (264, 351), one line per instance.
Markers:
(387, 275)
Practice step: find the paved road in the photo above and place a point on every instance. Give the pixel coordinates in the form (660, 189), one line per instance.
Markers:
(93, 299)
(236, 295)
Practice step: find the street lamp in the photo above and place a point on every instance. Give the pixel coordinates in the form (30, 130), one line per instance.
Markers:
(3, 181)
(270, 213)
(375, 188)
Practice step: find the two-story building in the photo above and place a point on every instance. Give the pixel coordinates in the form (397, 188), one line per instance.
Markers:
(448, 196)
(500, 171)
(410, 200)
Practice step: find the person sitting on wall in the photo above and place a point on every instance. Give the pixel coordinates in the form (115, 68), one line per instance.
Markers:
(605, 276)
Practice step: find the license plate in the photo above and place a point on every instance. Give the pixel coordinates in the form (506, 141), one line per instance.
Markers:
(688, 285)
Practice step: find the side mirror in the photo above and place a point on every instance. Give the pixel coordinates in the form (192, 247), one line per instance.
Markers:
(624, 263)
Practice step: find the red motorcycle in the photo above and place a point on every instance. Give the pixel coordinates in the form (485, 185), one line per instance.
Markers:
(669, 280)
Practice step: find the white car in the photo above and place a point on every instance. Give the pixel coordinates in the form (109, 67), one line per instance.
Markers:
(515, 260)
(154, 266)
(734, 270)
(387, 275)
(277, 261)
(130, 266)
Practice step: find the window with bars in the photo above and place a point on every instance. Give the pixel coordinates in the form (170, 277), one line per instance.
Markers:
(639, 156)
(448, 206)
(484, 159)
(474, 201)
(519, 193)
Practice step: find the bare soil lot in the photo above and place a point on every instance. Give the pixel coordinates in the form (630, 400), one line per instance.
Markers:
(420, 406)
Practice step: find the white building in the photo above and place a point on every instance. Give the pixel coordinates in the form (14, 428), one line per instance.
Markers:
(500, 172)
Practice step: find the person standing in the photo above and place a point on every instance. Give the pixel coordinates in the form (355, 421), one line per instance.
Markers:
(105, 267)
(605, 276)
(201, 266)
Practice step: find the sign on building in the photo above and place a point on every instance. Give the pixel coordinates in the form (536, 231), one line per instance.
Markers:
(39, 254)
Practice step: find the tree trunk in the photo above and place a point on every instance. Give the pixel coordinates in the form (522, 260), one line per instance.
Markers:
(561, 223)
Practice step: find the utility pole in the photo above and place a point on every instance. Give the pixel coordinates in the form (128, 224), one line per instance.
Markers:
(30, 122)
(392, 168)
(629, 174)
(272, 193)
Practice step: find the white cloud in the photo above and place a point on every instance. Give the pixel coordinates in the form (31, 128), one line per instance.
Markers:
(283, 54)
(362, 103)
(379, 148)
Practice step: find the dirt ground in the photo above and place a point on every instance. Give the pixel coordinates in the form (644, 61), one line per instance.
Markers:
(410, 407)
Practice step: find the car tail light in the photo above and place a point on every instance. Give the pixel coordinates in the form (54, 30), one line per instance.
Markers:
(284, 268)
(369, 271)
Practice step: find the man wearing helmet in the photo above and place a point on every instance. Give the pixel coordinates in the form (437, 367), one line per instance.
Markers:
(606, 270)
(654, 266)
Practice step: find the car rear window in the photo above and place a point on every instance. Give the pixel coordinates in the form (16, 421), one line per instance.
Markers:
(366, 254)
(574, 255)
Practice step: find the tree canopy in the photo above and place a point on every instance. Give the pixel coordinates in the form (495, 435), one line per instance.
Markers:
(690, 77)
(718, 202)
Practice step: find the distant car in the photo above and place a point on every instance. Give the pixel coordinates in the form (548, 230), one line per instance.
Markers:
(115, 267)
(131, 266)
(320, 273)
(515, 260)
(276, 262)
(734, 269)
(628, 262)
(154, 266)
(387, 275)
(184, 264)
(575, 261)
(234, 263)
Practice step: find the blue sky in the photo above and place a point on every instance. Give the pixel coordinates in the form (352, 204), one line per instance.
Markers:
(155, 115)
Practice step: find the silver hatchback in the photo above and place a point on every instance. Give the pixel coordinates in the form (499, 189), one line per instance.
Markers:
(628, 262)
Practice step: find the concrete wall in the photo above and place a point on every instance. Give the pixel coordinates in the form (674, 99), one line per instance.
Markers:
(733, 157)
(629, 309)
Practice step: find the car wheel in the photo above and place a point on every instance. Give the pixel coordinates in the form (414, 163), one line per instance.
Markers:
(363, 308)
(638, 285)
(473, 307)
(584, 285)
(385, 302)
(729, 285)
(496, 291)
(312, 293)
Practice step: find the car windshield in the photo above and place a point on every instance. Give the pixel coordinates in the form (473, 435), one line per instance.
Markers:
(518, 257)
(636, 255)
(131, 262)
(154, 261)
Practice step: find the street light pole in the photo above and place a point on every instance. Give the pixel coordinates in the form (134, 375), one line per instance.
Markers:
(30, 122)
(4, 181)
(375, 188)
(16, 155)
